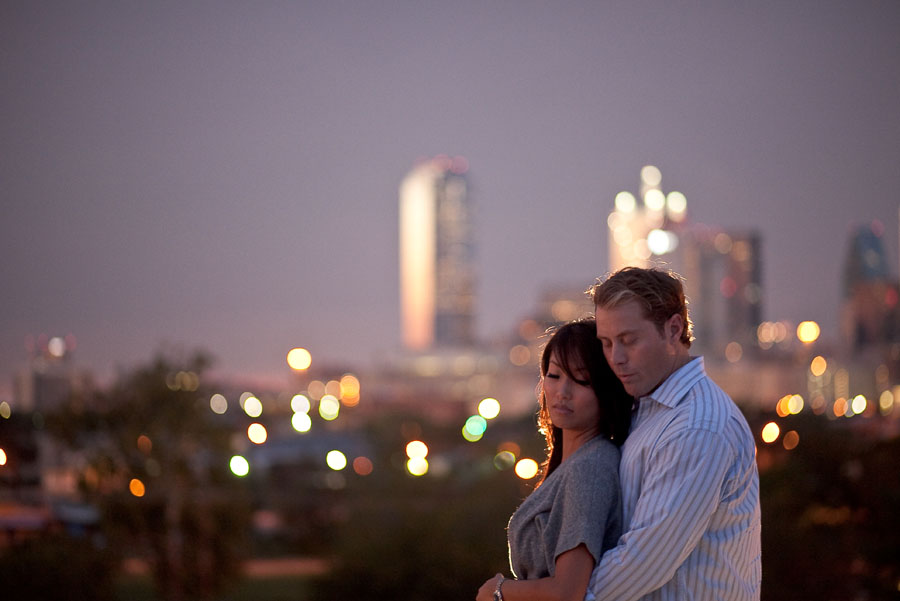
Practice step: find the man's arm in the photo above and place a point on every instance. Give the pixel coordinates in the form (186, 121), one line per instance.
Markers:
(680, 490)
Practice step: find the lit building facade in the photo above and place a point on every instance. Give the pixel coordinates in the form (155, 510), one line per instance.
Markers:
(722, 269)
(437, 275)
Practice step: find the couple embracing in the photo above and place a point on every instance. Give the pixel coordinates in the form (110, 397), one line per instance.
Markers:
(650, 488)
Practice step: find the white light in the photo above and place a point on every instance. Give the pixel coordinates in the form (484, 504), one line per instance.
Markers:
(651, 175)
(659, 242)
(336, 460)
(655, 200)
(625, 202)
(676, 203)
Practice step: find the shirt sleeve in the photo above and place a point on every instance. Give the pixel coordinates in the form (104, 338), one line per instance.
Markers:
(680, 491)
(588, 501)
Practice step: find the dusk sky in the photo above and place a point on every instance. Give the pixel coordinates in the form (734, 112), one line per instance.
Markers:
(224, 175)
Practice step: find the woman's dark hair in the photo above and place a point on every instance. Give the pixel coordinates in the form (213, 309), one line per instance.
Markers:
(577, 351)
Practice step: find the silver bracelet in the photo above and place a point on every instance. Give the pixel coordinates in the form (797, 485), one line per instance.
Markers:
(498, 594)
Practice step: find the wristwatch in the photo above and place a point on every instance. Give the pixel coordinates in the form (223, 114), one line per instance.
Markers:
(498, 594)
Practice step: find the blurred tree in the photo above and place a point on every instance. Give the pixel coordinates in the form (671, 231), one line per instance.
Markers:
(439, 536)
(831, 529)
(156, 461)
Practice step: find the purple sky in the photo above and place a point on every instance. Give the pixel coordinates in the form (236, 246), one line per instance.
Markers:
(224, 175)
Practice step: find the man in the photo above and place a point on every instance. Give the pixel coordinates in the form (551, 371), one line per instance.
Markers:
(690, 488)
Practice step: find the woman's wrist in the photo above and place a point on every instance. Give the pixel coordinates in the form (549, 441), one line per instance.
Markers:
(498, 593)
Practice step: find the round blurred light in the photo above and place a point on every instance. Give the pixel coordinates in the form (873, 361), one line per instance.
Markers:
(733, 352)
(316, 390)
(858, 404)
(301, 422)
(676, 203)
(519, 355)
(2, 457)
(416, 449)
(655, 200)
(5, 410)
(886, 402)
(625, 202)
(336, 460)
(841, 407)
(526, 469)
(329, 407)
(218, 403)
(504, 460)
(781, 407)
(239, 466)
(476, 425)
(417, 466)
(136, 487)
(818, 366)
(350, 390)
(770, 432)
(791, 440)
(299, 359)
(333, 387)
(489, 408)
(808, 331)
(363, 466)
(471, 437)
(651, 175)
(253, 406)
(257, 433)
(795, 404)
(661, 242)
(300, 404)
(56, 347)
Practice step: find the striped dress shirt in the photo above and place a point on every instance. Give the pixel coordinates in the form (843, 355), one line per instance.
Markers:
(690, 493)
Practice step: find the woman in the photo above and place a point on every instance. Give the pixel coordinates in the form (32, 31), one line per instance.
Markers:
(559, 532)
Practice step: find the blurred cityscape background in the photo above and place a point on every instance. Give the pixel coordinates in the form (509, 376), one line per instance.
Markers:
(261, 339)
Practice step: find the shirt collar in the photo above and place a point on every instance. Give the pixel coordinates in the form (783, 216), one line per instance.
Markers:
(673, 388)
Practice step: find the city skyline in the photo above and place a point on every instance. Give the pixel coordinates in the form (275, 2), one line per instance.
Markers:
(226, 177)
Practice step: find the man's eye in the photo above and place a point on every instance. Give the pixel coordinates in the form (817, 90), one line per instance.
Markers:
(552, 376)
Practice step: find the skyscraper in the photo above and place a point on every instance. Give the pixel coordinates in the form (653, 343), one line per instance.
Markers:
(436, 256)
(722, 269)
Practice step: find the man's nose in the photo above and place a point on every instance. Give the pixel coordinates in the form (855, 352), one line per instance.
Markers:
(617, 354)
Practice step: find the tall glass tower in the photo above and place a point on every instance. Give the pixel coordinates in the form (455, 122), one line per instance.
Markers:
(436, 256)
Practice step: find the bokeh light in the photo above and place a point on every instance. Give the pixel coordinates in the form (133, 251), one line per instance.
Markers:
(791, 440)
(257, 433)
(2, 457)
(253, 406)
(519, 355)
(417, 466)
(416, 449)
(770, 432)
(144, 444)
(316, 390)
(333, 387)
(651, 175)
(858, 404)
(818, 366)
(239, 466)
(329, 407)
(301, 422)
(733, 352)
(300, 404)
(136, 487)
(795, 404)
(655, 200)
(336, 460)
(886, 402)
(526, 469)
(218, 403)
(350, 390)
(476, 425)
(808, 331)
(504, 460)
(363, 466)
(489, 408)
(299, 359)
(625, 202)
(5, 410)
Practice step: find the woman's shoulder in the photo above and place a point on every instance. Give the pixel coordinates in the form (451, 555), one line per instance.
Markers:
(596, 453)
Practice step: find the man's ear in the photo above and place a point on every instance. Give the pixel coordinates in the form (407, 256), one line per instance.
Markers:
(674, 327)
